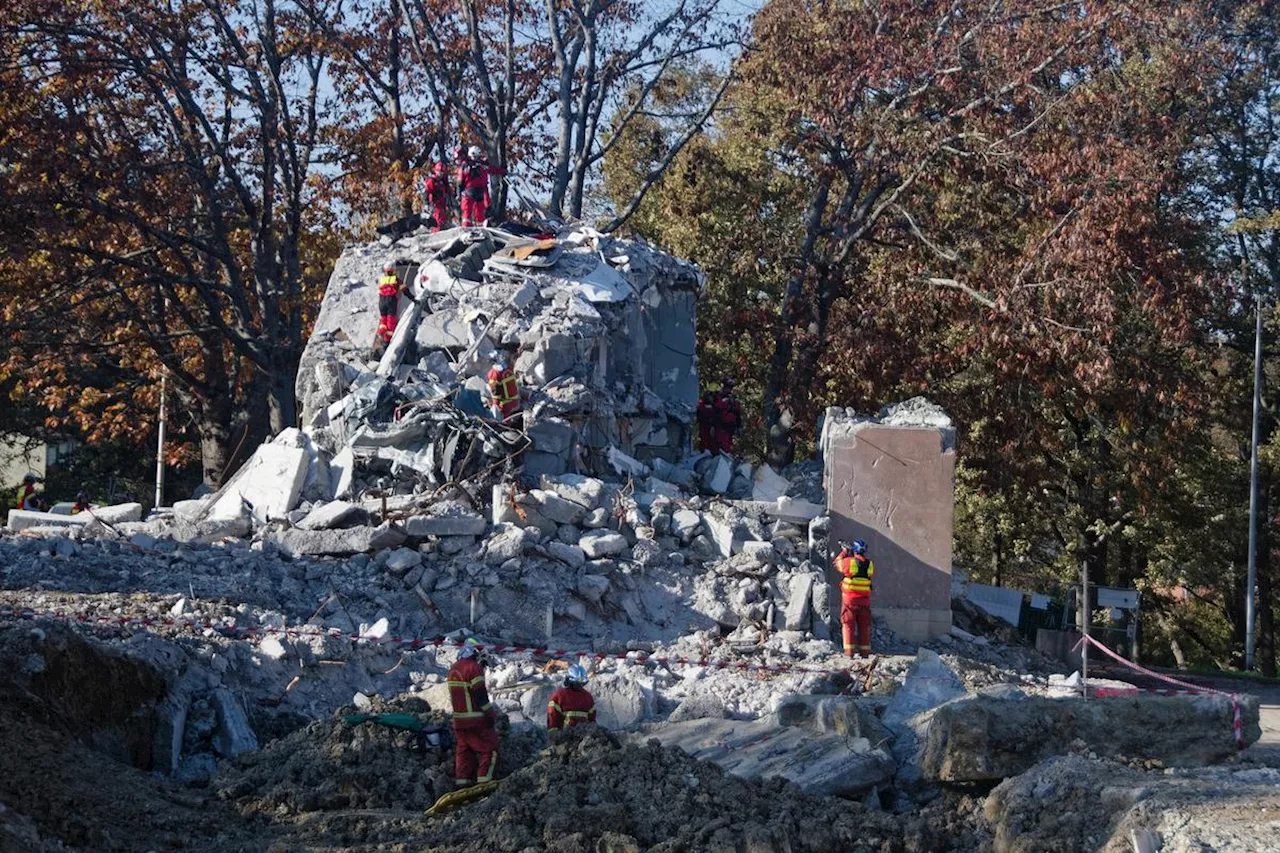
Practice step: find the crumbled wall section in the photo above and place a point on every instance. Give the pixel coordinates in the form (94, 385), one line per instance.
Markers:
(892, 483)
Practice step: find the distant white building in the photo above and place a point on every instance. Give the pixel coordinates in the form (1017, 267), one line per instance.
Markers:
(20, 454)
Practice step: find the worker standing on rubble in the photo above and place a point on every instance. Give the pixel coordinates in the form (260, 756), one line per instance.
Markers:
(571, 705)
(438, 192)
(504, 393)
(476, 754)
(473, 186)
(728, 417)
(856, 569)
(82, 502)
(707, 423)
(388, 302)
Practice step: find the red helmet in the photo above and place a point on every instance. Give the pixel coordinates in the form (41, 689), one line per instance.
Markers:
(439, 169)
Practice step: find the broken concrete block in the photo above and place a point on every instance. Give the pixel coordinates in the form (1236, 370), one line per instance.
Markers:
(377, 632)
(351, 540)
(699, 707)
(719, 475)
(401, 560)
(762, 552)
(455, 524)
(626, 466)
(985, 739)
(685, 524)
(820, 602)
(820, 764)
(443, 330)
(596, 519)
(333, 514)
(592, 587)
(558, 509)
(233, 735)
(269, 484)
(552, 435)
(797, 612)
(587, 492)
(621, 703)
(271, 647)
(571, 555)
(602, 543)
(341, 472)
(929, 683)
(21, 519)
(768, 485)
(507, 544)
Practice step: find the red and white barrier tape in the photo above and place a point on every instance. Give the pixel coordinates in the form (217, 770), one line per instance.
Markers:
(1237, 723)
(203, 626)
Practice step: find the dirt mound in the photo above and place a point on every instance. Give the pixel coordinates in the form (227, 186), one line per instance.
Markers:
(329, 765)
(590, 792)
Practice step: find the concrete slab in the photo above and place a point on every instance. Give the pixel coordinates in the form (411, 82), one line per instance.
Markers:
(270, 483)
(22, 519)
(352, 540)
(332, 514)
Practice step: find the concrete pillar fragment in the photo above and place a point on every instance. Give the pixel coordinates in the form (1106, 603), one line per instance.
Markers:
(891, 482)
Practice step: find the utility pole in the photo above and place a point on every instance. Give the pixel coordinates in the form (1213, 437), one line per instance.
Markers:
(160, 446)
(1085, 616)
(1251, 582)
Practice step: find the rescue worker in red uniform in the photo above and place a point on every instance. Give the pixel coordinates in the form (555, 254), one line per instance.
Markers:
(82, 502)
(856, 570)
(504, 393)
(26, 497)
(707, 423)
(476, 754)
(438, 192)
(728, 417)
(388, 302)
(571, 705)
(473, 186)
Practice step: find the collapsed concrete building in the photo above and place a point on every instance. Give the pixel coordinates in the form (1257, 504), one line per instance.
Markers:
(603, 330)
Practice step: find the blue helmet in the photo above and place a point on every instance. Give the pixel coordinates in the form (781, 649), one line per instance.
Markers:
(576, 675)
(859, 546)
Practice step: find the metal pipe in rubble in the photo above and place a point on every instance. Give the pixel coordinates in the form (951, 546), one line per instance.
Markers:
(1249, 614)
(160, 447)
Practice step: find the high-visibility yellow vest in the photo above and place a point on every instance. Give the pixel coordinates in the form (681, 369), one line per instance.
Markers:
(857, 574)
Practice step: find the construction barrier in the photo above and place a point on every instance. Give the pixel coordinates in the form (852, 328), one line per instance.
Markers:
(1189, 689)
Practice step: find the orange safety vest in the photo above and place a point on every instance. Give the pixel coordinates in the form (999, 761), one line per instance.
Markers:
(857, 574)
(467, 693)
(388, 285)
(502, 385)
(25, 491)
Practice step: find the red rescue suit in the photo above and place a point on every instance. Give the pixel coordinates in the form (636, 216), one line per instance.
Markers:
(438, 192)
(707, 424)
(26, 497)
(570, 706)
(728, 419)
(504, 392)
(476, 755)
(855, 601)
(473, 190)
(388, 305)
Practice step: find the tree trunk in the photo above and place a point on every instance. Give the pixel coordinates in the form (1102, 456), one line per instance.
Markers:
(789, 315)
(282, 407)
(214, 427)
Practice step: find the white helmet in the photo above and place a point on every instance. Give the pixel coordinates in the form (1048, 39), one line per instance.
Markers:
(474, 152)
(576, 675)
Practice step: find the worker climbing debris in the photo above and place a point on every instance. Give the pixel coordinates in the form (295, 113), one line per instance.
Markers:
(474, 172)
(474, 718)
(856, 569)
(388, 302)
(438, 193)
(504, 392)
(571, 705)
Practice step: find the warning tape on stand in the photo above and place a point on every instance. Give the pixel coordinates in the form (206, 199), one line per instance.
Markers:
(204, 626)
(1237, 722)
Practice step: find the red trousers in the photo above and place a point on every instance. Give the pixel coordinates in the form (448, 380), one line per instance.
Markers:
(440, 213)
(855, 618)
(474, 210)
(476, 755)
